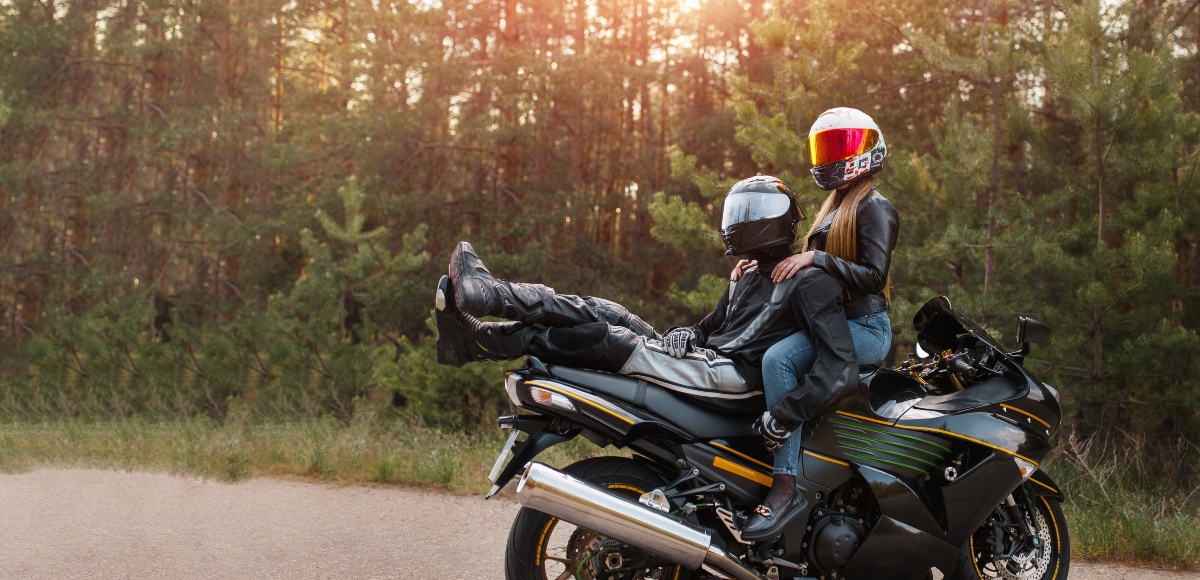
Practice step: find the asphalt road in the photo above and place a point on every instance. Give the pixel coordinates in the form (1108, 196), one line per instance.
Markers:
(104, 524)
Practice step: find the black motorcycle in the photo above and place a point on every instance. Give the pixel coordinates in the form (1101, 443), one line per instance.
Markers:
(931, 465)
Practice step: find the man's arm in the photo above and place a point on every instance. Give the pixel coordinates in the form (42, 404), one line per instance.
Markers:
(714, 319)
(679, 340)
(817, 308)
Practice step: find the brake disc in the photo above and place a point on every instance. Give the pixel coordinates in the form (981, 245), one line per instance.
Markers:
(1031, 564)
(595, 557)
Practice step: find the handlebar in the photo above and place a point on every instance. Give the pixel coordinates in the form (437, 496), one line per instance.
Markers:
(962, 366)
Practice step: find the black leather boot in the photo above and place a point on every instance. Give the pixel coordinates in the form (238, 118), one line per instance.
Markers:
(767, 521)
(463, 339)
(478, 293)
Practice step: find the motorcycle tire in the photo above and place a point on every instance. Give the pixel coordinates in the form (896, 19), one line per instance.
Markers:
(528, 553)
(1052, 563)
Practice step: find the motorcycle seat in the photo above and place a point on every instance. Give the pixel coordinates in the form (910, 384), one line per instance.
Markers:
(990, 391)
(699, 420)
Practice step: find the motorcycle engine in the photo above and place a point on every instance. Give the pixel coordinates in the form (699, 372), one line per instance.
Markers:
(835, 538)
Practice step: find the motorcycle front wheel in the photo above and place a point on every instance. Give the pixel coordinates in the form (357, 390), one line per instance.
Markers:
(1050, 560)
(541, 547)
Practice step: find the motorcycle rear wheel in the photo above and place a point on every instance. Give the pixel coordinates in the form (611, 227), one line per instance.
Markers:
(541, 547)
(1051, 562)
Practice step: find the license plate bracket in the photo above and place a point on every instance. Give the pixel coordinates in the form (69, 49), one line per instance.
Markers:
(505, 454)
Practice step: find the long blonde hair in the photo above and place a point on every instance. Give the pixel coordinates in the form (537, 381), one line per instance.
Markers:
(843, 232)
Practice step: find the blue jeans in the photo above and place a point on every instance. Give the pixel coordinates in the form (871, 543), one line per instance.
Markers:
(788, 360)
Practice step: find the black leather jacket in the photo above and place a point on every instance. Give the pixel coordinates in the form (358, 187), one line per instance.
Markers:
(755, 313)
(865, 277)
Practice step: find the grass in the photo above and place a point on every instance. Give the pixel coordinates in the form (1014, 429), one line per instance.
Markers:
(367, 450)
(1119, 505)
(1123, 506)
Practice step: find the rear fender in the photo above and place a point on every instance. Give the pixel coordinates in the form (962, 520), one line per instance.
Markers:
(525, 451)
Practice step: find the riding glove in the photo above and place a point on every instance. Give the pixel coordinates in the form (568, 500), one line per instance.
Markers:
(773, 433)
(678, 341)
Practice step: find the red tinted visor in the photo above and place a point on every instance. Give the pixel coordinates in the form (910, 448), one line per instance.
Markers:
(833, 145)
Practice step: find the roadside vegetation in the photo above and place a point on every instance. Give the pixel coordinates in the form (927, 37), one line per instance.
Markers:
(370, 449)
(1129, 500)
(1119, 505)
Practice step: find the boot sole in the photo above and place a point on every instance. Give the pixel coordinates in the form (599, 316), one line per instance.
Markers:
(443, 289)
(450, 350)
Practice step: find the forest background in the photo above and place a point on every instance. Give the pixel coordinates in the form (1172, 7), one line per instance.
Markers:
(238, 209)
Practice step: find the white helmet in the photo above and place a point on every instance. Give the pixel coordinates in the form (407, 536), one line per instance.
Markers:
(844, 145)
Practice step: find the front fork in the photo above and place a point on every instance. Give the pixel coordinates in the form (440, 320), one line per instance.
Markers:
(1014, 513)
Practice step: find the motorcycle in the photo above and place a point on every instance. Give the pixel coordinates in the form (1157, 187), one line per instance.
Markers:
(933, 464)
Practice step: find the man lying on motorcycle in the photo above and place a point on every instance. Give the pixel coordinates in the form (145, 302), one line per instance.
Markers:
(719, 358)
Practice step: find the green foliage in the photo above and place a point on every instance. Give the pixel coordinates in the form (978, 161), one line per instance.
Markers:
(443, 395)
(701, 300)
(243, 206)
(1122, 508)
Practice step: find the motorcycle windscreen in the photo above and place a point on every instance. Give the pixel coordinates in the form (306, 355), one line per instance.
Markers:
(938, 324)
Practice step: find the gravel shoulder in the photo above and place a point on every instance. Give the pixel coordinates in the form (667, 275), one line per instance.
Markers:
(81, 523)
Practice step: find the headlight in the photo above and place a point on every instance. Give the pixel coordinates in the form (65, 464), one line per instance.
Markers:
(1026, 467)
(510, 386)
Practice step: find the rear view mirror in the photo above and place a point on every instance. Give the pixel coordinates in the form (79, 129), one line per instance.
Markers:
(1030, 330)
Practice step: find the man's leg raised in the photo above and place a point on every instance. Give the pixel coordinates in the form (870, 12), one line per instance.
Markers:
(592, 345)
(479, 294)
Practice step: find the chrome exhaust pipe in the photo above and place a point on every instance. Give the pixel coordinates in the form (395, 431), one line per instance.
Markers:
(555, 493)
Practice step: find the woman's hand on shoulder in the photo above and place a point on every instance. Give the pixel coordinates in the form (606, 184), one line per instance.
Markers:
(794, 263)
(740, 268)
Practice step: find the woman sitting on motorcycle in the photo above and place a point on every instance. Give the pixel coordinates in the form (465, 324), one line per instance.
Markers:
(851, 239)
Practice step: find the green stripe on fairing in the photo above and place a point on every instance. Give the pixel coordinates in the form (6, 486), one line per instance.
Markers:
(893, 443)
(889, 452)
(900, 435)
(896, 463)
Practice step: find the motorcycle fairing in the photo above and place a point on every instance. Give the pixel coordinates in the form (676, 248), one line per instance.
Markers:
(859, 439)
(823, 470)
(984, 427)
(901, 501)
(897, 551)
(1041, 409)
(1040, 484)
(903, 459)
(974, 495)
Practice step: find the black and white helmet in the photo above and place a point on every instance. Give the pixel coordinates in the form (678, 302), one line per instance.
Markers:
(759, 212)
(844, 145)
